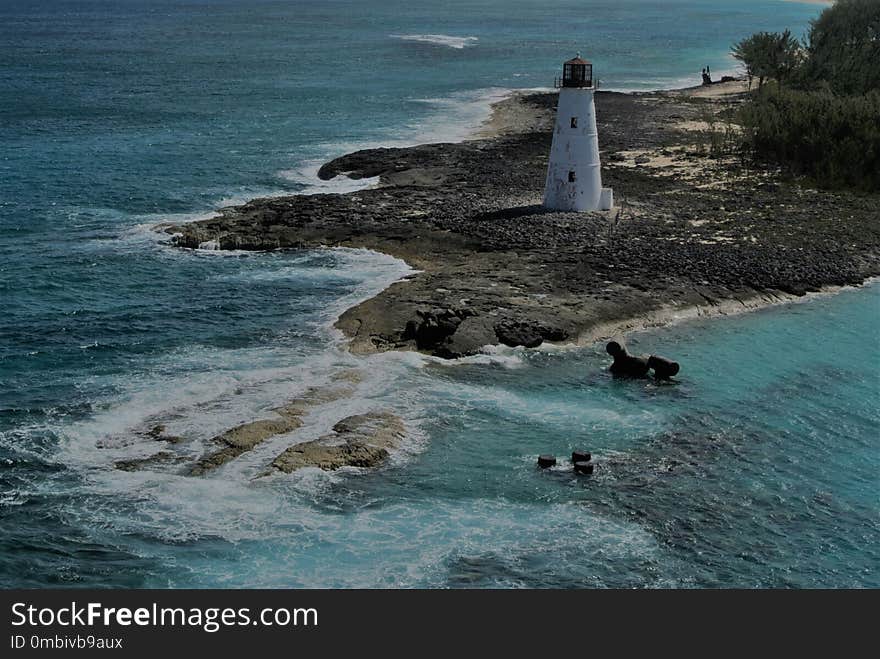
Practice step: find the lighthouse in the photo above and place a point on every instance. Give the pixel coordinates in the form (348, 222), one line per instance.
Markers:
(574, 179)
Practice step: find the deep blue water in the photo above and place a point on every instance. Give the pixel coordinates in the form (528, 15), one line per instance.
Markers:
(759, 468)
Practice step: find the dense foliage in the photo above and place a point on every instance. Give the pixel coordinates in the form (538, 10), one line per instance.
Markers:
(843, 48)
(833, 140)
(820, 117)
(769, 55)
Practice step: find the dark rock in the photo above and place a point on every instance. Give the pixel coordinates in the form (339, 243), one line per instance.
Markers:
(157, 432)
(545, 461)
(581, 456)
(526, 333)
(431, 332)
(411, 330)
(663, 368)
(583, 467)
(155, 461)
(626, 365)
(434, 327)
(519, 334)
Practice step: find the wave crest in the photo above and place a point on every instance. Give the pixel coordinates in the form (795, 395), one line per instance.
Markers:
(439, 40)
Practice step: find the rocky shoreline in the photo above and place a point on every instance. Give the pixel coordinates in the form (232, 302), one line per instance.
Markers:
(693, 233)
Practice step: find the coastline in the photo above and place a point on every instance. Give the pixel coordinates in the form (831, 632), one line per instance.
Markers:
(668, 316)
(496, 236)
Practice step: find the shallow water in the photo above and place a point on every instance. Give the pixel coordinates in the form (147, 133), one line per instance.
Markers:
(757, 468)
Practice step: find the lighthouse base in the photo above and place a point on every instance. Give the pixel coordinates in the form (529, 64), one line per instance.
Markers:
(560, 199)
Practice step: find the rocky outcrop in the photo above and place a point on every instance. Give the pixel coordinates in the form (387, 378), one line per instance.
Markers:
(363, 440)
(158, 433)
(432, 330)
(495, 267)
(243, 438)
(529, 333)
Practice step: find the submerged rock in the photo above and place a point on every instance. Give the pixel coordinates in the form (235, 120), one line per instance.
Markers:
(160, 459)
(243, 438)
(363, 440)
(637, 367)
(158, 433)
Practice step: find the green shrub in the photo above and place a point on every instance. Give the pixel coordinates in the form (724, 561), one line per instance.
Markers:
(833, 140)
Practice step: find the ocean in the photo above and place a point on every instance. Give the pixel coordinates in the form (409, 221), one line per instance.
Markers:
(757, 468)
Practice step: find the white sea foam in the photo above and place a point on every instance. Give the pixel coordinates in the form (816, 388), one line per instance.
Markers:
(446, 40)
(228, 503)
(307, 176)
(451, 118)
(670, 83)
(388, 545)
(404, 543)
(296, 269)
(458, 116)
(200, 391)
(377, 272)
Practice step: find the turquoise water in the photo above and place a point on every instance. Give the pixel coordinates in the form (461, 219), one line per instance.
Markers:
(759, 468)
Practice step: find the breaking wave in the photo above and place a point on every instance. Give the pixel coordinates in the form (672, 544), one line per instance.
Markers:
(439, 40)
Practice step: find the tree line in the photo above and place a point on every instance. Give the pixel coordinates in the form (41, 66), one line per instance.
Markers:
(816, 109)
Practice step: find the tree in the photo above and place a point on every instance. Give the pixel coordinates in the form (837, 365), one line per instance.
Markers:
(843, 47)
(769, 55)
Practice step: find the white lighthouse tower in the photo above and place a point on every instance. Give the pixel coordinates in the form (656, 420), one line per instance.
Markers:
(574, 179)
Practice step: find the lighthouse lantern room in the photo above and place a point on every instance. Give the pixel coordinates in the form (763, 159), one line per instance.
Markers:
(574, 178)
(576, 72)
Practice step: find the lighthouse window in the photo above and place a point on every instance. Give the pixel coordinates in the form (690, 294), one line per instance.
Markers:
(571, 177)
(574, 122)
